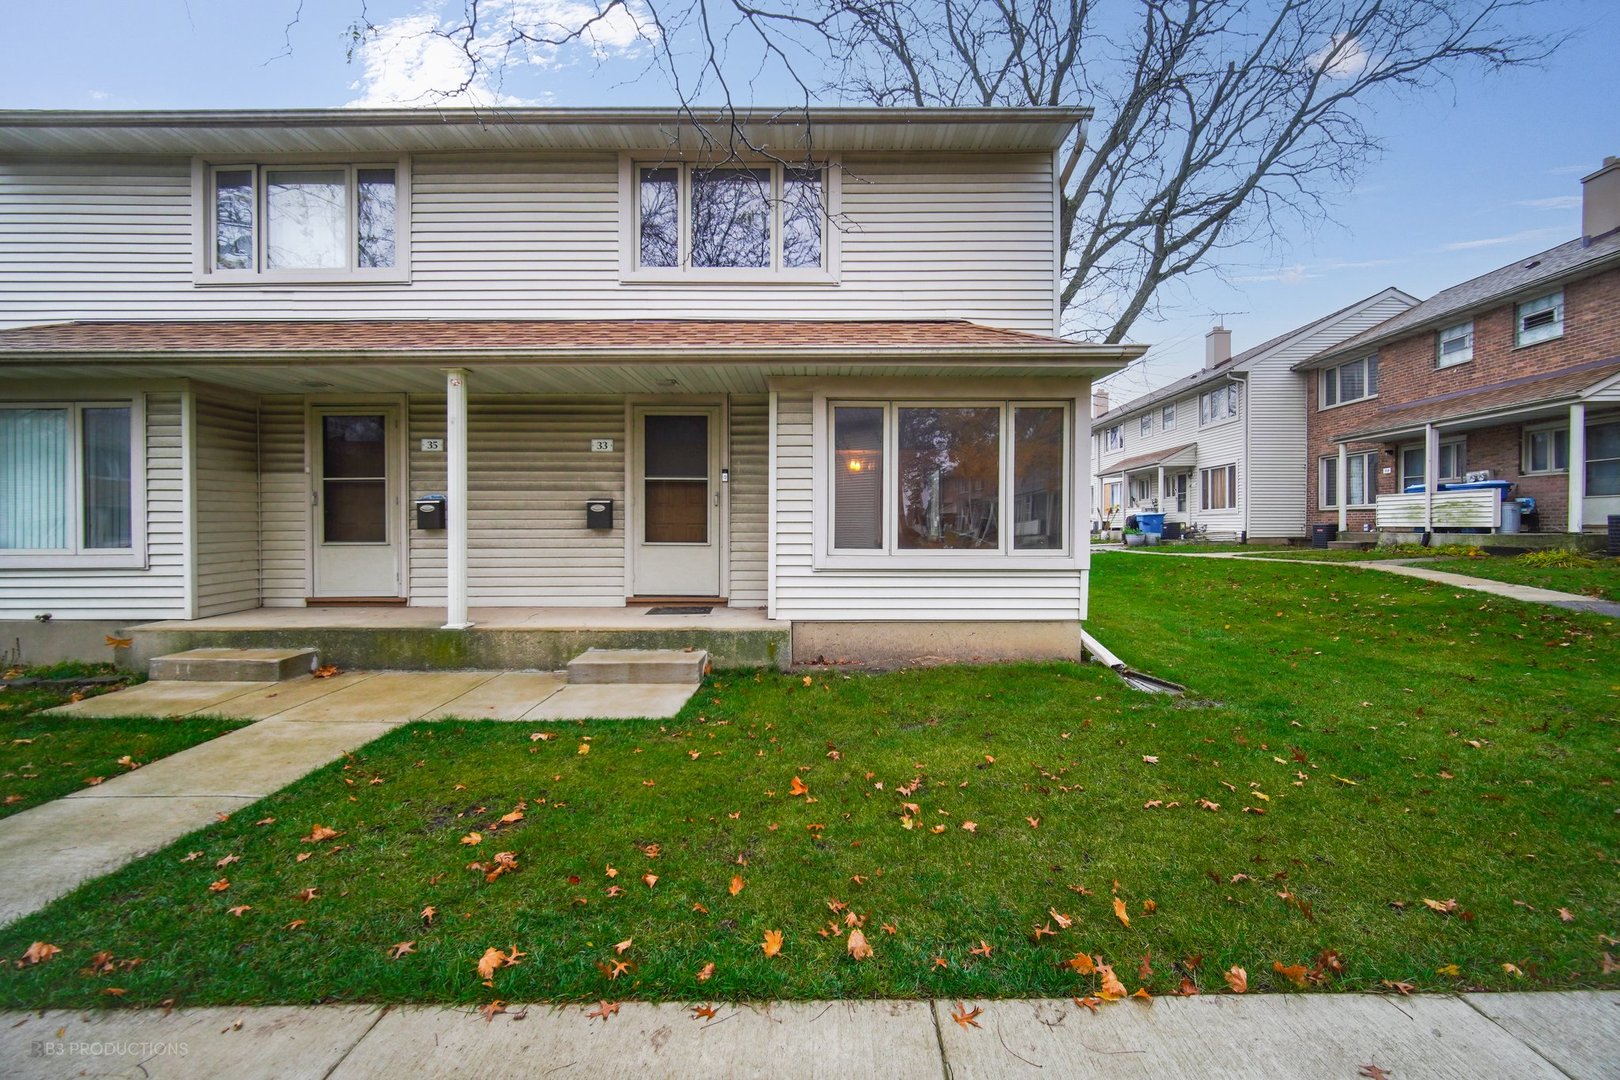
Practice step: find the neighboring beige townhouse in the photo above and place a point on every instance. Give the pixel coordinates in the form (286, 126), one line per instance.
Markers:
(1224, 447)
(273, 375)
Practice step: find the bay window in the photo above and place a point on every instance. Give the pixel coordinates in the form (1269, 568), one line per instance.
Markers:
(723, 220)
(70, 484)
(921, 478)
(304, 222)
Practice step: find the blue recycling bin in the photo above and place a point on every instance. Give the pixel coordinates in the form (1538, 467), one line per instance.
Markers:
(1150, 523)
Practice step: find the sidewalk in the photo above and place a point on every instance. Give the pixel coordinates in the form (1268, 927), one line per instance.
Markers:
(1411, 568)
(1573, 1034)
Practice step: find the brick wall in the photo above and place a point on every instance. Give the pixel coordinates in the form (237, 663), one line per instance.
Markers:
(1407, 372)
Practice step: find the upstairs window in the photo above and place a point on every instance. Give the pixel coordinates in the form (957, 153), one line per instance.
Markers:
(1455, 345)
(1218, 404)
(1354, 381)
(1147, 424)
(770, 219)
(1541, 319)
(304, 222)
(1116, 437)
(1167, 417)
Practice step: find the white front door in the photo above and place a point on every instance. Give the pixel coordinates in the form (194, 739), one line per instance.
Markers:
(358, 531)
(1602, 473)
(675, 467)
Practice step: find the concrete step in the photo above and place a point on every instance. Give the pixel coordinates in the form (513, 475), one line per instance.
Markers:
(233, 665)
(638, 666)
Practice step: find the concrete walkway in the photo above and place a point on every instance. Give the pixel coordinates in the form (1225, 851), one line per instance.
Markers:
(1414, 568)
(1308, 1036)
(302, 724)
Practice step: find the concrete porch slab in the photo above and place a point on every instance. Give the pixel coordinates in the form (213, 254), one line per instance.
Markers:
(271, 1043)
(507, 696)
(617, 701)
(815, 1039)
(160, 699)
(391, 696)
(250, 762)
(47, 851)
(1278, 1036)
(233, 665)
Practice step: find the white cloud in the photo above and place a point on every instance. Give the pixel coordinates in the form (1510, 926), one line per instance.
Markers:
(1556, 202)
(1523, 236)
(425, 60)
(1342, 58)
(99, 95)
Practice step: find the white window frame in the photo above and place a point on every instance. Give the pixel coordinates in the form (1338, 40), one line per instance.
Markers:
(1459, 444)
(1332, 379)
(1146, 424)
(893, 557)
(631, 272)
(1327, 488)
(1461, 332)
(1167, 417)
(1114, 438)
(1228, 471)
(1554, 302)
(1113, 497)
(204, 272)
(79, 556)
(1552, 431)
(1227, 398)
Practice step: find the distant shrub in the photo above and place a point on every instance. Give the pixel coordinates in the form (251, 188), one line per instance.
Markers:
(1436, 551)
(1559, 557)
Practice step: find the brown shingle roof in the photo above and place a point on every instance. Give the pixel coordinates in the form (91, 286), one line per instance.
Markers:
(249, 338)
(1527, 390)
(1145, 460)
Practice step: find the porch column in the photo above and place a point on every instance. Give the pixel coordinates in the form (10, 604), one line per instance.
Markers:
(455, 444)
(1577, 466)
(1159, 493)
(1341, 483)
(1431, 473)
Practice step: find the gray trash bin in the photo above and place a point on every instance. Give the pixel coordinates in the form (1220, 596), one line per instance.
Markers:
(1511, 516)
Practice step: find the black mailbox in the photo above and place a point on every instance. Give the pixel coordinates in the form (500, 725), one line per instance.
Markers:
(430, 512)
(599, 514)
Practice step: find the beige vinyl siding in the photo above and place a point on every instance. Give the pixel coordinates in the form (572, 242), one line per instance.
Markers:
(530, 471)
(803, 592)
(283, 503)
(156, 592)
(961, 236)
(748, 498)
(225, 501)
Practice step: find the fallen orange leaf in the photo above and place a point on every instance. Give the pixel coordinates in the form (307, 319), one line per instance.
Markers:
(964, 1018)
(1119, 911)
(773, 942)
(736, 884)
(1237, 979)
(858, 948)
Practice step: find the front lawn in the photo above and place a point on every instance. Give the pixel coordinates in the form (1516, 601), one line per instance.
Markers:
(1355, 747)
(46, 757)
(1600, 581)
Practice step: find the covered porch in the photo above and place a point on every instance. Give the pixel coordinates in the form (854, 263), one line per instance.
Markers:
(1156, 482)
(1554, 439)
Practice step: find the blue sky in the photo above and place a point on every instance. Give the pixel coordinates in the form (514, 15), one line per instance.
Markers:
(1477, 175)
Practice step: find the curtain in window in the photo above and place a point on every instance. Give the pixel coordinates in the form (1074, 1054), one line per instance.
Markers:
(33, 479)
(858, 478)
(106, 478)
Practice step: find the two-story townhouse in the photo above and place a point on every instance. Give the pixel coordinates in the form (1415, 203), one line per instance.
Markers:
(1223, 447)
(1513, 375)
(451, 371)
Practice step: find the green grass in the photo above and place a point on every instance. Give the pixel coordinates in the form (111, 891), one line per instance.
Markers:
(1355, 702)
(1601, 581)
(46, 757)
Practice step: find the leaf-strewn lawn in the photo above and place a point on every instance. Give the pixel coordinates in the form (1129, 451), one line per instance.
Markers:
(46, 757)
(1601, 581)
(1403, 742)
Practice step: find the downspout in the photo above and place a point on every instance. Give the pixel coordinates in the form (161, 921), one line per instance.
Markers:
(1136, 680)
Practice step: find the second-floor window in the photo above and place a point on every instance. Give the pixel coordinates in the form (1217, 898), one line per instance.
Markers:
(1350, 382)
(1540, 319)
(1147, 424)
(1218, 404)
(304, 221)
(1115, 437)
(1167, 417)
(770, 218)
(1455, 345)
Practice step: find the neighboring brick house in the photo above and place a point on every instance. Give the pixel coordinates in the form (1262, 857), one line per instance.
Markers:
(1515, 373)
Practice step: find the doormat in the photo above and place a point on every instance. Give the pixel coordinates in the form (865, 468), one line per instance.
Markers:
(695, 610)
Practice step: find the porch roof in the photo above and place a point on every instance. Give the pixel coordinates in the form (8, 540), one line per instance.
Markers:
(1185, 454)
(1501, 400)
(540, 355)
